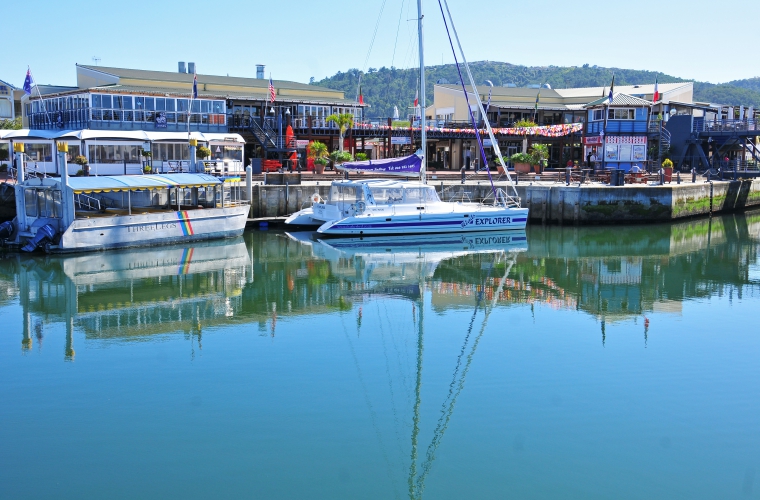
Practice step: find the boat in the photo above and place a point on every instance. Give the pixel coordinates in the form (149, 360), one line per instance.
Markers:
(78, 214)
(386, 207)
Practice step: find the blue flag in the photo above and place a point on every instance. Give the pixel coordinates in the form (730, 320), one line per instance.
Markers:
(28, 82)
(195, 86)
(612, 87)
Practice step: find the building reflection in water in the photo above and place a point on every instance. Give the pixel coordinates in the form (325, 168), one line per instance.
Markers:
(608, 272)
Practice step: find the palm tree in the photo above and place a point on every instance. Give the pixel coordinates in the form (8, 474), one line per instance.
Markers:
(343, 121)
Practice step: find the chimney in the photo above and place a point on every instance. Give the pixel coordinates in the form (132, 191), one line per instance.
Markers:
(191, 68)
(260, 71)
(182, 67)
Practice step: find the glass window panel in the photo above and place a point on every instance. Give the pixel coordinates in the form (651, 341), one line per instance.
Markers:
(127, 100)
(171, 118)
(41, 205)
(149, 104)
(57, 210)
(205, 106)
(182, 104)
(218, 107)
(196, 105)
(170, 105)
(116, 116)
(139, 103)
(117, 102)
(30, 202)
(160, 104)
(106, 100)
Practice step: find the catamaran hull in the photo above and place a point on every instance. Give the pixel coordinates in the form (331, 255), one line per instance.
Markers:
(104, 233)
(484, 220)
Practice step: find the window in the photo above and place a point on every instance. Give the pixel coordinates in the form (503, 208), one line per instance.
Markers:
(39, 152)
(114, 154)
(182, 105)
(30, 202)
(160, 104)
(149, 104)
(621, 114)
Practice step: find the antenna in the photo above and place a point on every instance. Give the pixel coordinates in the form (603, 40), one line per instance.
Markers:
(96, 60)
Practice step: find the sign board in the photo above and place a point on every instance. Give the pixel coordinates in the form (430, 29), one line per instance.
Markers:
(627, 139)
(401, 140)
(301, 143)
(591, 140)
(487, 143)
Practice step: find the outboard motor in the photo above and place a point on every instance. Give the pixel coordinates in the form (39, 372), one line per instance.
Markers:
(44, 234)
(6, 230)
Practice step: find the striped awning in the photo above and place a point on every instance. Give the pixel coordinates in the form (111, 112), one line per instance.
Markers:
(115, 183)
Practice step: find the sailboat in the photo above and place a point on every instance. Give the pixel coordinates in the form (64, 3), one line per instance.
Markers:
(386, 207)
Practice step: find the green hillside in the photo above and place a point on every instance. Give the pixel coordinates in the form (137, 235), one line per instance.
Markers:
(385, 87)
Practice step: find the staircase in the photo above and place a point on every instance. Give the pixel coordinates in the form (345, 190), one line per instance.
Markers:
(664, 139)
(263, 136)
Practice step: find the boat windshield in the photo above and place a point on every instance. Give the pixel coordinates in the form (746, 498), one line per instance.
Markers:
(420, 195)
(345, 194)
(387, 196)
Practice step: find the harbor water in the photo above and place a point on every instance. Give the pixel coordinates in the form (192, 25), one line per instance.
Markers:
(560, 362)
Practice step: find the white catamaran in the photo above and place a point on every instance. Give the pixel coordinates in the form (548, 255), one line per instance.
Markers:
(74, 214)
(378, 207)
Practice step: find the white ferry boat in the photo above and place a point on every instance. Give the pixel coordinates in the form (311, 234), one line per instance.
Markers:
(75, 214)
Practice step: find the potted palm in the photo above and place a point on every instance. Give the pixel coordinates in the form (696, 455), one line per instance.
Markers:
(522, 162)
(667, 169)
(540, 153)
(84, 167)
(318, 152)
(147, 155)
(340, 157)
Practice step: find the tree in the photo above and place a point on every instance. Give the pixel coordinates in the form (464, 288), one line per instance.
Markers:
(343, 121)
(318, 151)
(14, 124)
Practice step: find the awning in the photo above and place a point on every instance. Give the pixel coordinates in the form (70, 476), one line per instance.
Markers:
(109, 183)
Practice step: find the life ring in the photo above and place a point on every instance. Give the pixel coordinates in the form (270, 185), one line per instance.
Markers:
(315, 198)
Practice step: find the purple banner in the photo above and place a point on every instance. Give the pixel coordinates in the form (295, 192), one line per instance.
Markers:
(400, 166)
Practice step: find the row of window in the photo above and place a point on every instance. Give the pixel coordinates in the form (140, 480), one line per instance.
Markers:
(613, 114)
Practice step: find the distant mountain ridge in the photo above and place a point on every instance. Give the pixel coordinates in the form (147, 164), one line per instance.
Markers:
(385, 88)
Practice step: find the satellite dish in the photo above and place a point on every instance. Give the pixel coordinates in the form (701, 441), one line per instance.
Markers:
(673, 112)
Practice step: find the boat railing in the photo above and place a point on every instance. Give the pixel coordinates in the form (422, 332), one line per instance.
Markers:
(461, 196)
(84, 202)
(501, 198)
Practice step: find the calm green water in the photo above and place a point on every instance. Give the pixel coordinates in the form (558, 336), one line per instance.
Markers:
(563, 363)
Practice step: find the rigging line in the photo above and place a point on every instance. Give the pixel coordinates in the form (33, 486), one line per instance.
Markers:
(390, 380)
(371, 44)
(398, 353)
(494, 142)
(444, 422)
(395, 46)
(373, 415)
(466, 97)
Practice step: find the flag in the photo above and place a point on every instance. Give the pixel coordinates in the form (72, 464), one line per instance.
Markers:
(612, 87)
(656, 96)
(271, 90)
(195, 86)
(361, 97)
(538, 96)
(416, 98)
(28, 82)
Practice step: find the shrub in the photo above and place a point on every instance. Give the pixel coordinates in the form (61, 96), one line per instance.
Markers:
(340, 156)
(3, 167)
(667, 163)
(522, 158)
(362, 157)
(80, 173)
(202, 152)
(80, 160)
(525, 123)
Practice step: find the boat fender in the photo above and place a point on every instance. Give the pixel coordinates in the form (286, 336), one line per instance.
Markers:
(44, 234)
(6, 230)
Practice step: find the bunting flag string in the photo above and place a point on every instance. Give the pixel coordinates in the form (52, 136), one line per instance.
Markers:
(543, 131)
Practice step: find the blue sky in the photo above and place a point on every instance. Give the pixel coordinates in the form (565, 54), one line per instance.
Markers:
(299, 39)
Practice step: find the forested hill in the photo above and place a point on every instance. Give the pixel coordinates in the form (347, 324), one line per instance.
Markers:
(385, 87)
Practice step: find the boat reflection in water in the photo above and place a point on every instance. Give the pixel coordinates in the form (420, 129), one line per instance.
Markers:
(131, 294)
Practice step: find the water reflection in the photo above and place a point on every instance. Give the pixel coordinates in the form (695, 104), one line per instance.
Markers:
(611, 273)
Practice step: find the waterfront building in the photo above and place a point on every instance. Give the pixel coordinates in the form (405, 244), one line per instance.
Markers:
(109, 102)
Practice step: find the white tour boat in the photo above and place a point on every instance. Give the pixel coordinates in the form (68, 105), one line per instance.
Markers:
(74, 214)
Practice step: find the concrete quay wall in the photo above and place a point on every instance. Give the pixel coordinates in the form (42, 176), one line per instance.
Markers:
(560, 204)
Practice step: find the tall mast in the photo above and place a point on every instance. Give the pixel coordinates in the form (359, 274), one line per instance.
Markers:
(423, 132)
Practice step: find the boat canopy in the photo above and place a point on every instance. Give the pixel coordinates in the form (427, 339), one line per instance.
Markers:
(395, 166)
(106, 184)
(134, 135)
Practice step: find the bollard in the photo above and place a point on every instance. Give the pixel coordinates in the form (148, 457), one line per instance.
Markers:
(662, 177)
(735, 172)
(693, 175)
(678, 177)
(567, 176)
(464, 174)
(708, 176)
